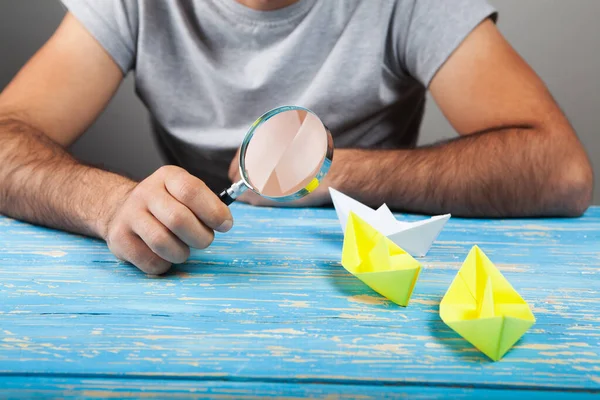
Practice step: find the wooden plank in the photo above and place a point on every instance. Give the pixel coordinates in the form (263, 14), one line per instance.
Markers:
(270, 300)
(111, 387)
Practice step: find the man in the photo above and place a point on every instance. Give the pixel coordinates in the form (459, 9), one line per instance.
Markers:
(207, 68)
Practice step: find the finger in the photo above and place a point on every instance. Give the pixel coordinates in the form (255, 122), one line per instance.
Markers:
(180, 220)
(195, 195)
(234, 168)
(159, 239)
(254, 199)
(313, 199)
(133, 249)
(235, 177)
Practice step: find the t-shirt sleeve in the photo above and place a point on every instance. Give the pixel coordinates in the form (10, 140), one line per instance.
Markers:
(424, 33)
(113, 23)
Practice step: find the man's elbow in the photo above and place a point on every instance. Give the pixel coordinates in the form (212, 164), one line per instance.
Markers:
(573, 191)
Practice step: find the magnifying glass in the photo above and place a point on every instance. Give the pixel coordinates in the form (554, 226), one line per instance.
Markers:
(285, 155)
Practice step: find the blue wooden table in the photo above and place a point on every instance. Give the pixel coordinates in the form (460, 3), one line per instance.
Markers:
(269, 312)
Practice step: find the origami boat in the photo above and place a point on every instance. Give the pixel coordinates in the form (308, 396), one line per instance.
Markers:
(415, 238)
(378, 262)
(483, 307)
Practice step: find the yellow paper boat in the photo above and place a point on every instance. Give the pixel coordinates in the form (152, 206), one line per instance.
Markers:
(484, 308)
(378, 262)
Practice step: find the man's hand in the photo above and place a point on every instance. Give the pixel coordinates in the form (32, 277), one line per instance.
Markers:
(46, 108)
(162, 217)
(317, 198)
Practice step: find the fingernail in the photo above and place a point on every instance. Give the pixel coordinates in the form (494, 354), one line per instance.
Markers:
(225, 226)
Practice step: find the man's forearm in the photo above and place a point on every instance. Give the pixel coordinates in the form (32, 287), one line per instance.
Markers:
(506, 172)
(41, 183)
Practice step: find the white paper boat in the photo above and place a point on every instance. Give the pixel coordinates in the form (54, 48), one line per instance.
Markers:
(414, 237)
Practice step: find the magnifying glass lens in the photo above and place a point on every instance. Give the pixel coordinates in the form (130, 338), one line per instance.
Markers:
(285, 153)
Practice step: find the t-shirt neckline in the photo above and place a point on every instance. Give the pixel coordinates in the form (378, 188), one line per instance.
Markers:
(285, 15)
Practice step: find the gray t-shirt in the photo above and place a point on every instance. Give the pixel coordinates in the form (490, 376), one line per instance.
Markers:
(206, 69)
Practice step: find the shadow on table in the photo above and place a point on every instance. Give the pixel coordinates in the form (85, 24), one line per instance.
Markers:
(347, 285)
(341, 280)
(332, 238)
(125, 270)
(450, 341)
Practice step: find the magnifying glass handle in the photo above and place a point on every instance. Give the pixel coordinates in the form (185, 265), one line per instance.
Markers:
(228, 196)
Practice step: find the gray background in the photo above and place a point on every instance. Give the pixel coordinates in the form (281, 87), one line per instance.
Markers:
(560, 39)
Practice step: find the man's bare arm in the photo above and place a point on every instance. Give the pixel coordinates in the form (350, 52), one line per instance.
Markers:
(517, 154)
(41, 183)
(52, 100)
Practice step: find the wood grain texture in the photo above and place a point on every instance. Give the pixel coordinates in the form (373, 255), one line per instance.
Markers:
(107, 388)
(269, 311)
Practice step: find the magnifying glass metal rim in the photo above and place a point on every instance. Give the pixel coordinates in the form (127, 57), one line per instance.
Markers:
(229, 195)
